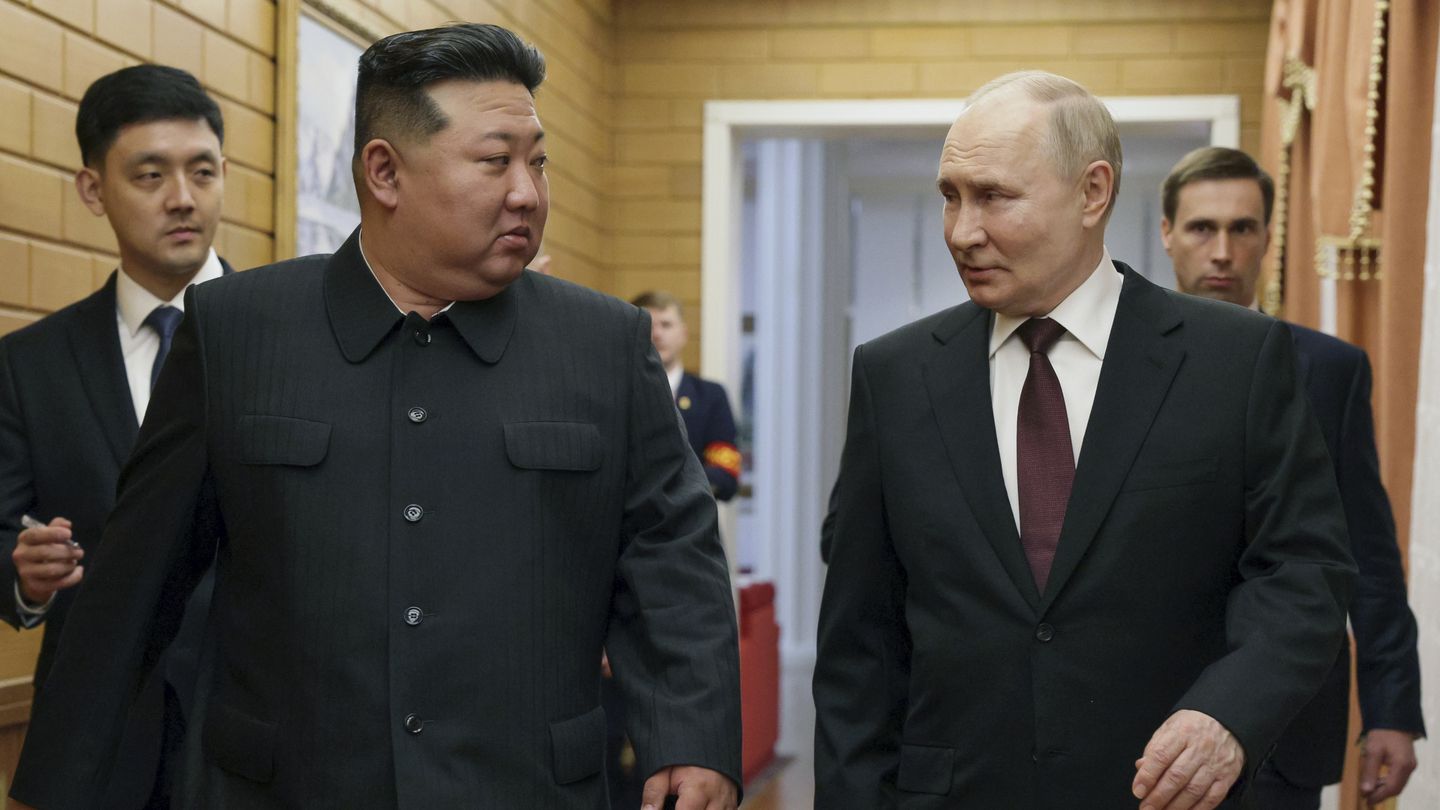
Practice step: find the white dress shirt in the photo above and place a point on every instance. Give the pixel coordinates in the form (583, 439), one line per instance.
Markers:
(139, 343)
(675, 377)
(1087, 315)
(138, 346)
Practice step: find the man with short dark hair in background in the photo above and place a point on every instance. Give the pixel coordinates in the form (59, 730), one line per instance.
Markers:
(75, 386)
(1087, 551)
(444, 484)
(1216, 228)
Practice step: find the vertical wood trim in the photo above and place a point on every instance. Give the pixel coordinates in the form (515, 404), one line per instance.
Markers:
(287, 81)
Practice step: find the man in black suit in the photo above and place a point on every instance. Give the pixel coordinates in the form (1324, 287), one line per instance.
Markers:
(74, 386)
(1217, 204)
(1087, 547)
(703, 404)
(444, 483)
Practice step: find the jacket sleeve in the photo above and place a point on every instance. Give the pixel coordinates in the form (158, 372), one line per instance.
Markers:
(862, 666)
(673, 642)
(17, 486)
(722, 457)
(126, 614)
(1285, 617)
(1387, 663)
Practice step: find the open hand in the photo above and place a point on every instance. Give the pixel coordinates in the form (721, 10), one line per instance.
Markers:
(696, 788)
(1191, 762)
(1395, 751)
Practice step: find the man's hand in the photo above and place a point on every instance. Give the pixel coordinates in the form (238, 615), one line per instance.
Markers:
(46, 562)
(1395, 752)
(1190, 762)
(697, 789)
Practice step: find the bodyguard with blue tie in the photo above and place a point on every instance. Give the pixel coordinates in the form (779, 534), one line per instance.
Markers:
(75, 386)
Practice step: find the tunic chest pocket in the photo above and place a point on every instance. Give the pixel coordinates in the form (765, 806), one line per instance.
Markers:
(286, 440)
(573, 446)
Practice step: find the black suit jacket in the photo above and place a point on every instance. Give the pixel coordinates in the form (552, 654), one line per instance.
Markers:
(430, 530)
(709, 424)
(1336, 376)
(1202, 565)
(67, 424)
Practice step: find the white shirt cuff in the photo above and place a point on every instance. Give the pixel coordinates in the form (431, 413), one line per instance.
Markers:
(30, 616)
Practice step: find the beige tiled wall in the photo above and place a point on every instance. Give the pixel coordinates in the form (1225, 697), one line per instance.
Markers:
(53, 251)
(673, 55)
(623, 104)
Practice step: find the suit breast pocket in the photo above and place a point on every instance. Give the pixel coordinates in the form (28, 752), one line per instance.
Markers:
(561, 446)
(1162, 475)
(283, 440)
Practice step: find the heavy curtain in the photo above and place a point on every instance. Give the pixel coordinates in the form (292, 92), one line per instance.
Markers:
(1346, 131)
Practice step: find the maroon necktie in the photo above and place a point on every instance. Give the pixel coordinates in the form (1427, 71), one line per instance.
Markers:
(1043, 456)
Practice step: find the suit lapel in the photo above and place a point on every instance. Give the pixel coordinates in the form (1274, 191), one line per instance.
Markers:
(957, 381)
(1141, 359)
(95, 343)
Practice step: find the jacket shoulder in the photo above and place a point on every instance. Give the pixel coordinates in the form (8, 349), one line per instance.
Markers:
(586, 308)
(54, 329)
(1319, 347)
(1219, 324)
(288, 278)
(930, 330)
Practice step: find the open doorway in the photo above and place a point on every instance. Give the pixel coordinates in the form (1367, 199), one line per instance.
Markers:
(821, 231)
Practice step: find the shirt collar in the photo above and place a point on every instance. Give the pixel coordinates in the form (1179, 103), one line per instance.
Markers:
(675, 378)
(362, 314)
(135, 303)
(1087, 313)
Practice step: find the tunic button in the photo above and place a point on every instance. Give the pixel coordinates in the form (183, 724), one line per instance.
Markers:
(1044, 632)
(418, 415)
(413, 723)
(413, 616)
(422, 336)
(413, 513)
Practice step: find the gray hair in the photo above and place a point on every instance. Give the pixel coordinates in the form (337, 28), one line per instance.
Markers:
(1081, 129)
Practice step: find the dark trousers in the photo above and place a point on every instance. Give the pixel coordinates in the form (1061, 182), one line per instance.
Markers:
(1272, 791)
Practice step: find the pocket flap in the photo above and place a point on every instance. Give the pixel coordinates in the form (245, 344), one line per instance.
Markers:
(239, 743)
(554, 445)
(926, 769)
(577, 746)
(1172, 474)
(266, 439)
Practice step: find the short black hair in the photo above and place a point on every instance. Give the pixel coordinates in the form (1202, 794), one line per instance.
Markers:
(390, 97)
(139, 95)
(1214, 163)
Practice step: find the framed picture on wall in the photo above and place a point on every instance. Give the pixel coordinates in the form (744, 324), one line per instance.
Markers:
(316, 206)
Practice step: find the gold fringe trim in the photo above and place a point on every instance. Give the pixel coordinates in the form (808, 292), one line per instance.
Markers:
(1356, 256)
(1299, 79)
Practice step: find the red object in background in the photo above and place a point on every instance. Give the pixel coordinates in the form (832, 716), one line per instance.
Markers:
(759, 678)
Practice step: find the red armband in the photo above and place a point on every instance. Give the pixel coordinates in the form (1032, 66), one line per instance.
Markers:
(724, 455)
